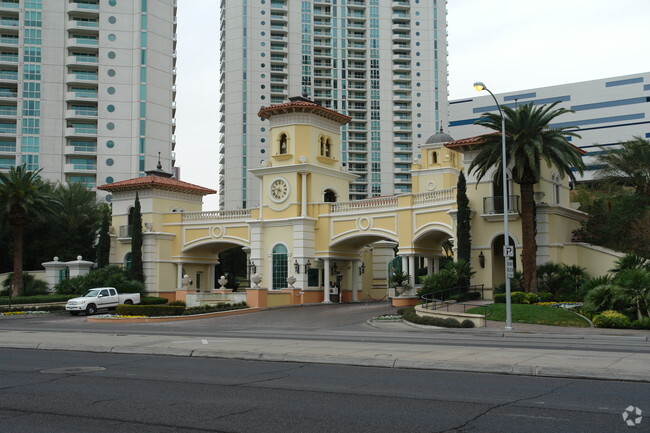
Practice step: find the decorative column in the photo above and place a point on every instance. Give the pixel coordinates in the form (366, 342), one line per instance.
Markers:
(356, 280)
(405, 264)
(436, 264)
(303, 204)
(412, 271)
(179, 275)
(429, 266)
(326, 283)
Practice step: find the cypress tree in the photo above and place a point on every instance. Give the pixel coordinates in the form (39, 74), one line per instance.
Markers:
(136, 271)
(464, 247)
(104, 242)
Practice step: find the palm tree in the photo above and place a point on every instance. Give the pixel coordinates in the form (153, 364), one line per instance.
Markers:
(79, 218)
(529, 140)
(23, 196)
(629, 164)
(629, 262)
(635, 290)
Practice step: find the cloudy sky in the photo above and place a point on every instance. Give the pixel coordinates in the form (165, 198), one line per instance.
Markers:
(508, 44)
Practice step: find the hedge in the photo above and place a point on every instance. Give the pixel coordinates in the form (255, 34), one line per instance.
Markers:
(408, 314)
(38, 299)
(149, 310)
(152, 300)
(517, 298)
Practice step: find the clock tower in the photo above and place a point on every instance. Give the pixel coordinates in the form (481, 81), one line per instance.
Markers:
(302, 171)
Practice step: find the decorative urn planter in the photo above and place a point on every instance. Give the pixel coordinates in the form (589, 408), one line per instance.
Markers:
(291, 280)
(222, 282)
(256, 279)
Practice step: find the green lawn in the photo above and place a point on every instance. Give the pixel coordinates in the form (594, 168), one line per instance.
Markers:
(538, 314)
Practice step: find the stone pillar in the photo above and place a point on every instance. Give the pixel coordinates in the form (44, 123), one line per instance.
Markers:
(326, 283)
(429, 266)
(303, 205)
(52, 272)
(436, 264)
(412, 270)
(179, 275)
(356, 280)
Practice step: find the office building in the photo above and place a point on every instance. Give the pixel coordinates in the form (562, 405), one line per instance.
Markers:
(382, 63)
(87, 87)
(606, 112)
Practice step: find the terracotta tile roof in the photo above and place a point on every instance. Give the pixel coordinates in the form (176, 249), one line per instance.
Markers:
(468, 143)
(303, 106)
(156, 182)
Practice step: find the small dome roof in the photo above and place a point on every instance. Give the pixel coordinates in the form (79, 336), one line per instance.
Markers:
(439, 137)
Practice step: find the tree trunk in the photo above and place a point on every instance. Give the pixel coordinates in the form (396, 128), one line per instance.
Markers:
(17, 279)
(529, 250)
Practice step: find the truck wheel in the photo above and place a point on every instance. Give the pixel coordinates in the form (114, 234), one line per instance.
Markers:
(128, 302)
(91, 309)
(74, 313)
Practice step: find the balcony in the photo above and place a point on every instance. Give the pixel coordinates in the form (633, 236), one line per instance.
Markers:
(84, 7)
(81, 77)
(8, 111)
(8, 75)
(493, 208)
(80, 58)
(10, 4)
(8, 128)
(81, 131)
(8, 93)
(89, 95)
(77, 113)
(83, 24)
(9, 39)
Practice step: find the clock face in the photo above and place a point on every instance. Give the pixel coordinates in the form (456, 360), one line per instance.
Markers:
(279, 190)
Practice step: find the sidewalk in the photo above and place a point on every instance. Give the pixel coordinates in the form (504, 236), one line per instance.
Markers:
(626, 364)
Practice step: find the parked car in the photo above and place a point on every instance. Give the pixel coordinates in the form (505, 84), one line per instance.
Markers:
(99, 298)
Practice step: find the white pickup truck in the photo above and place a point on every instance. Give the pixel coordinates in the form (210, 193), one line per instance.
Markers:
(101, 297)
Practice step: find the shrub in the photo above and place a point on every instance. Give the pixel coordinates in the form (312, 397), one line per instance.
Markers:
(611, 319)
(31, 285)
(177, 304)
(152, 300)
(408, 314)
(467, 323)
(149, 310)
(39, 299)
(110, 276)
(545, 297)
(445, 279)
(212, 308)
(641, 324)
(517, 298)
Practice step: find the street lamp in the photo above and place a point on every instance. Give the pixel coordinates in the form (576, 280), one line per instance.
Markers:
(479, 86)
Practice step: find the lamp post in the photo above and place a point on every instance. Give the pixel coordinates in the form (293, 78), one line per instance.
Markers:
(479, 86)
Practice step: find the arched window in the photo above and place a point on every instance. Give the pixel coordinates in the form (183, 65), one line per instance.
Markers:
(328, 148)
(128, 259)
(280, 268)
(283, 144)
(329, 196)
(322, 146)
(434, 157)
(556, 188)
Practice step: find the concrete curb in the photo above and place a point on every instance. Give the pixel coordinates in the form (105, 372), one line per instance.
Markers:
(362, 361)
(172, 318)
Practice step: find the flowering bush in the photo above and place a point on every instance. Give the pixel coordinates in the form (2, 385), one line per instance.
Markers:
(611, 319)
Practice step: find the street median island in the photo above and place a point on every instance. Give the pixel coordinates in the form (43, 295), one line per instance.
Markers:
(118, 319)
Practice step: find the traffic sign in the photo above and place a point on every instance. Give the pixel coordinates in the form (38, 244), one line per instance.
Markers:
(510, 268)
(508, 251)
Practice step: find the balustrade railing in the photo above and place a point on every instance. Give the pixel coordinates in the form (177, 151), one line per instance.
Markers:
(494, 205)
(444, 195)
(371, 203)
(236, 214)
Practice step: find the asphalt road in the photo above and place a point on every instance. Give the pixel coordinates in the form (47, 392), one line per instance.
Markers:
(326, 323)
(52, 392)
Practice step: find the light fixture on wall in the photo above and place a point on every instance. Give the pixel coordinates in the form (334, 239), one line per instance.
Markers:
(362, 268)
(307, 265)
(481, 259)
(296, 266)
(334, 269)
(252, 266)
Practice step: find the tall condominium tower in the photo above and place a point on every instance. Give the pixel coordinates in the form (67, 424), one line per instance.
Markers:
(87, 87)
(383, 63)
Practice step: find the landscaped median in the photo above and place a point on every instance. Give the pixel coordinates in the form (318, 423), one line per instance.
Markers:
(168, 313)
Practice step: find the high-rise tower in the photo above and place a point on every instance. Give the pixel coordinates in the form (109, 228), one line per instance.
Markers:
(87, 87)
(382, 63)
